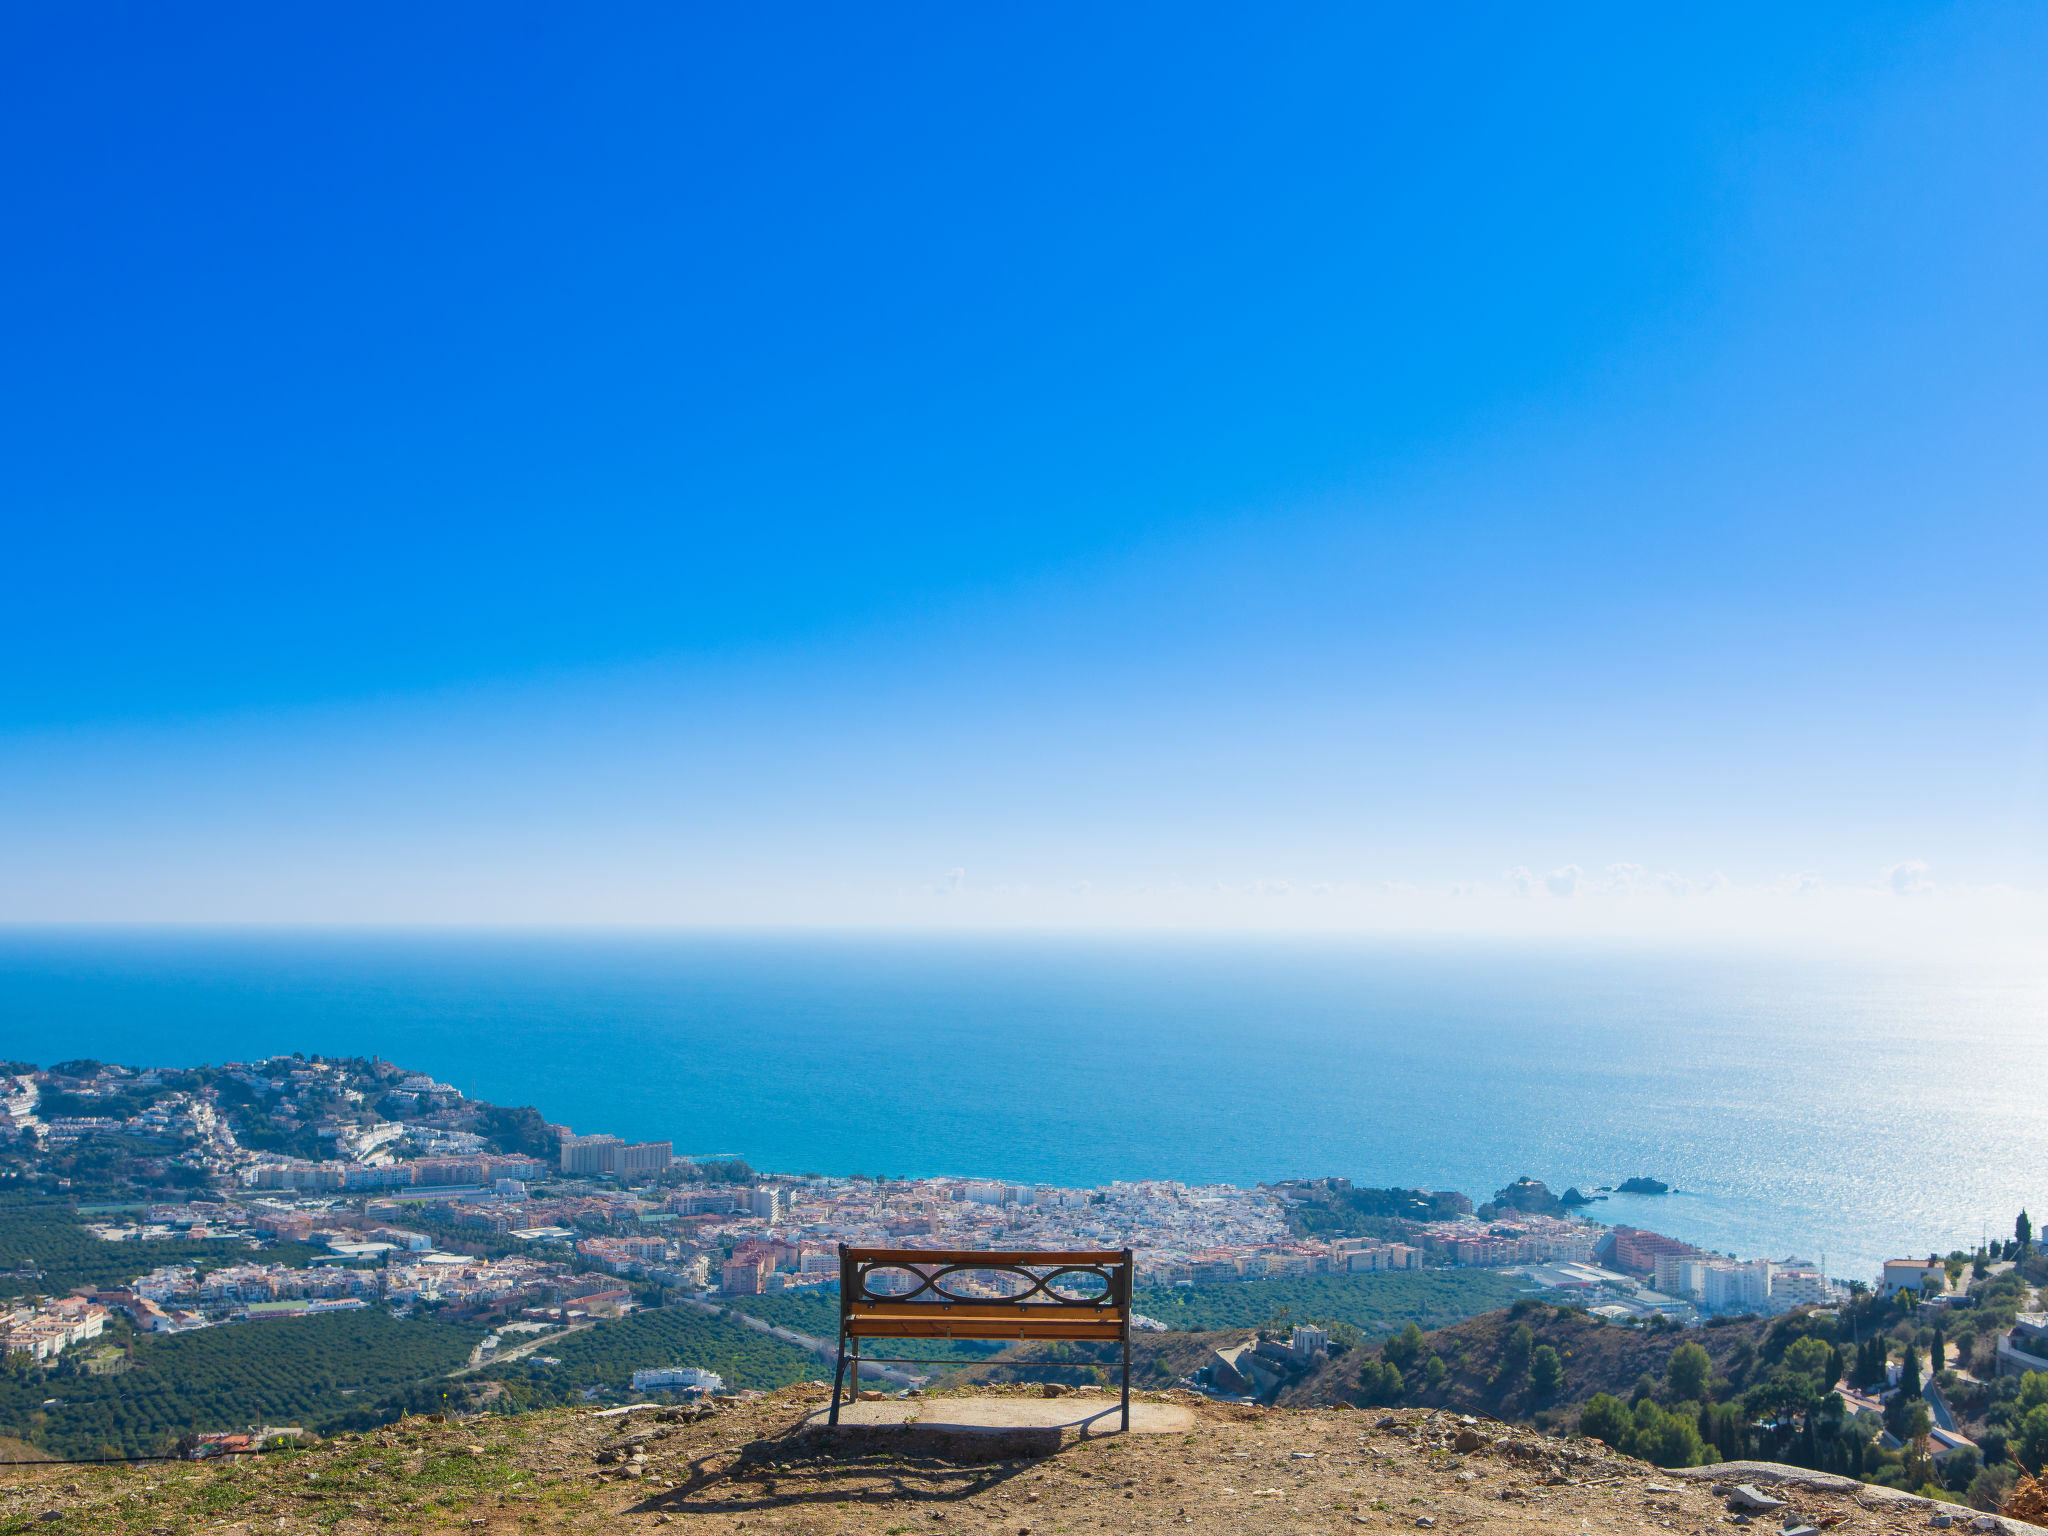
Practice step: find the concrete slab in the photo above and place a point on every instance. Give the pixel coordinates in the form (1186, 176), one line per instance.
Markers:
(1077, 1415)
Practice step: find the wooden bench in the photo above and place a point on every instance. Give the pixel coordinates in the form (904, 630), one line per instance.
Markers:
(1081, 1296)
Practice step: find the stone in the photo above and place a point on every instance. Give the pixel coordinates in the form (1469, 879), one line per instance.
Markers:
(1427, 1522)
(1468, 1440)
(1052, 1389)
(1752, 1498)
(1941, 1522)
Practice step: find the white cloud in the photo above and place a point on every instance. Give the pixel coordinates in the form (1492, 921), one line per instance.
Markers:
(1521, 882)
(1563, 882)
(954, 883)
(1909, 878)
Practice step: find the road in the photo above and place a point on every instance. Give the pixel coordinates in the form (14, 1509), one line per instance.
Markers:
(517, 1350)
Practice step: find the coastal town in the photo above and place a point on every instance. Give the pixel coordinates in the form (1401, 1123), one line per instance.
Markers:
(341, 1154)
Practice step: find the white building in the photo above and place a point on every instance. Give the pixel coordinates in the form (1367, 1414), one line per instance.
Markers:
(1924, 1275)
(1733, 1287)
(767, 1203)
(677, 1378)
(1799, 1284)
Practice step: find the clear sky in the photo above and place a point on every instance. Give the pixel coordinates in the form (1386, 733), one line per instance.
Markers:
(1575, 471)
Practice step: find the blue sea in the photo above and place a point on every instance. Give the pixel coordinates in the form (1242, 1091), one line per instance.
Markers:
(1799, 1108)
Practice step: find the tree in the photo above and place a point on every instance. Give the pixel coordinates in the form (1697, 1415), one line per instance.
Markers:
(1606, 1418)
(1380, 1383)
(1435, 1372)
(1940, 1352)
(1404, 1348)
(1514, 1360)
(1961, 1468)
(2032, 1450)
(1667, 1439)
(1909, 1373)
(1689, 1370)
(2023, 1231)
(1988, 1489)
(1546, 1370)
(1811, 1357)
(1919, 1424)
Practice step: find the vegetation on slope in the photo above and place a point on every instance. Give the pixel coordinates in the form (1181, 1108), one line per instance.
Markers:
(312, 1371)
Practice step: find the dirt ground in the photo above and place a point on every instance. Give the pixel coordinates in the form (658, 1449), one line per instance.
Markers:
(761, 1468)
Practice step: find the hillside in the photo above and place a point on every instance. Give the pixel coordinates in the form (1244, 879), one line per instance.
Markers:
(1596, 1357)
(765, 1464)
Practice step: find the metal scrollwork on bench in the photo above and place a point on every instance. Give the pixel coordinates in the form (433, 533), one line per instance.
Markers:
(933, 1287)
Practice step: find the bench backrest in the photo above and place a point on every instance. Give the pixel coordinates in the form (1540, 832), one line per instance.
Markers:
(1083, 1294)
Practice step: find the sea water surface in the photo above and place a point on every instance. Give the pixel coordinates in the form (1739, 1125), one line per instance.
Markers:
(1800, 1108)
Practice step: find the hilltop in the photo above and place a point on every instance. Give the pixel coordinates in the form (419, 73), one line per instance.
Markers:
(763, 1464)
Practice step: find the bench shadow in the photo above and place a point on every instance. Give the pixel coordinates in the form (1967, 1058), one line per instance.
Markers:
(854, 1464)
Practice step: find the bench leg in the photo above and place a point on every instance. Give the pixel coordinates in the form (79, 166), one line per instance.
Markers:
(838, 1373)
(1127, 1378)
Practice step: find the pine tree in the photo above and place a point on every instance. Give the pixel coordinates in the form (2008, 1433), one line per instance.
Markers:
(2023, 1231)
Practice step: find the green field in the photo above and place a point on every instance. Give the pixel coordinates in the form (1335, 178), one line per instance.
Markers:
(608, 1354)
(1375, 1305)
(310, 1371)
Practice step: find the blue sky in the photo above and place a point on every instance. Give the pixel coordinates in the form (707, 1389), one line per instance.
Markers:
(1323, 468)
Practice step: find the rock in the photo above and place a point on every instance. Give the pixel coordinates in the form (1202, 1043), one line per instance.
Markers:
(1801, 1530)
(1052, 1389)
(1468, 1440)
(1941, 1522)
(1752, 1498)
(1985, 1523)
(871, 1397)
(1427, 1522)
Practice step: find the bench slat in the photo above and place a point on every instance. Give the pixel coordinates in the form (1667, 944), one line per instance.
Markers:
(908, 1328)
